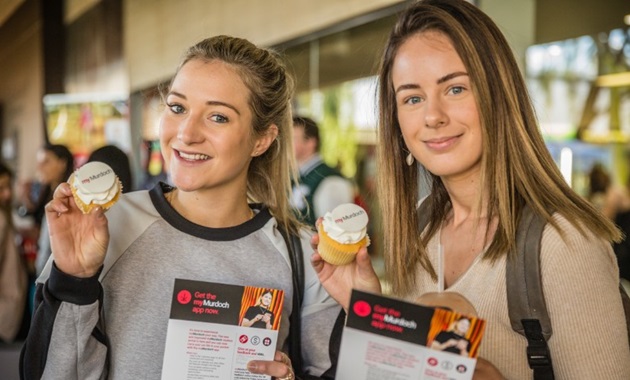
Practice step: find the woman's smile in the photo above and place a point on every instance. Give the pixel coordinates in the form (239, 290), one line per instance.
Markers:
(442, 143)
(191, 157)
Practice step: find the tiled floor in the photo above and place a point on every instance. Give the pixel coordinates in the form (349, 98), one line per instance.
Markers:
(9, 357)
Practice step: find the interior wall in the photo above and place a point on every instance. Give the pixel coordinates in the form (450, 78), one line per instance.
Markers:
(22, 87)
(563, 19)
(154, 40)
(519, 31)
(95, 62)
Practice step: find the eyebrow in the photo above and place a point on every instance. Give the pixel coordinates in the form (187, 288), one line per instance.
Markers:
(209, 102)
(445, 78)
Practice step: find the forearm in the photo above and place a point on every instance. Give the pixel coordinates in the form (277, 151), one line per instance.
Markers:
(64, 341)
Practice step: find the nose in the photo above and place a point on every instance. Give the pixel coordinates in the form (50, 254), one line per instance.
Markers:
(435, 115)
(189, 131)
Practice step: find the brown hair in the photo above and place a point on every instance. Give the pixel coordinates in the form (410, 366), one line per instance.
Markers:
(271, 88)
(517, 168)
(311, 130)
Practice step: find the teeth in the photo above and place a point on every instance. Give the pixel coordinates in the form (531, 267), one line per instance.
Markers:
(193, 157)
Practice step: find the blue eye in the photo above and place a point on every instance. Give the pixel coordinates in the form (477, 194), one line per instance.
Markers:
(413, 100)
(219, 119)
(457, 90)
(176, 108)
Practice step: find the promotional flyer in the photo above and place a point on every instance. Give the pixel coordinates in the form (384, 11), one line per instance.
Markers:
(385, 338)
(214, 330)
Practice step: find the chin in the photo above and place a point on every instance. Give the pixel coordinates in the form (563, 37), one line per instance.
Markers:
(184, 184)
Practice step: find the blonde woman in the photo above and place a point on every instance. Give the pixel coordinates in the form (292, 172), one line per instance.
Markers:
(103, 302)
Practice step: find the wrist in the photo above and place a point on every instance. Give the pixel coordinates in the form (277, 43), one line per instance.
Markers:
(76, 290)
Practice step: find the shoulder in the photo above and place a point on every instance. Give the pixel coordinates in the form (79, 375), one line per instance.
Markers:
(567, 249)
(324, 169)
(568, 237)
(136, 206)
(581, 288)
(127, 220)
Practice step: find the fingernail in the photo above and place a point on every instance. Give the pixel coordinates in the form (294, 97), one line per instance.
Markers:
(252, 367)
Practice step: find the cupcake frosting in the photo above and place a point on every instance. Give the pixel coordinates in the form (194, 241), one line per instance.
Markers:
(346, 224)
(95, 182)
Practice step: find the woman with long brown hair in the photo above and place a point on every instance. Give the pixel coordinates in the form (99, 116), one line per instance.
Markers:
(456, 121)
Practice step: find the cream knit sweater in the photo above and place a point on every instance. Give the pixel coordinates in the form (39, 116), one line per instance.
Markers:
(580, 282)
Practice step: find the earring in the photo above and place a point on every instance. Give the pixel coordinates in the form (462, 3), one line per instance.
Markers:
(409, 160)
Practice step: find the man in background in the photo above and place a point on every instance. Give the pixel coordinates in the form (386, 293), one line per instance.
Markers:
(321, 187)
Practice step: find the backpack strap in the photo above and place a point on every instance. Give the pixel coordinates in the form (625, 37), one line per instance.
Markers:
(625, 301)
(526, 301)
(296, 254)
(294, 246)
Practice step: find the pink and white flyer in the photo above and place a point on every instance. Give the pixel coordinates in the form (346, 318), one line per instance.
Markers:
(215, 329)
(386, 338)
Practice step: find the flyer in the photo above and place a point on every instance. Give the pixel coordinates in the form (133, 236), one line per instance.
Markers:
(215, 329)
(386, 338)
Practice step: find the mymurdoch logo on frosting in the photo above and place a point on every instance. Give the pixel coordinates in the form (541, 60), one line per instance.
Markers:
(350, 216)
(97, 176)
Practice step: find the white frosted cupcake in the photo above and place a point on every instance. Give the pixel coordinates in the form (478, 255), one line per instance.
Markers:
(95, 185)
(342, 232)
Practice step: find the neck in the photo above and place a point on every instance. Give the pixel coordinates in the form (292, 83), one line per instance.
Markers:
(210, 212)
(304, 160)
(464, 196)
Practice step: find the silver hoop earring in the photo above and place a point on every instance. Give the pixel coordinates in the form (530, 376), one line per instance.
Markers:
(409, 159)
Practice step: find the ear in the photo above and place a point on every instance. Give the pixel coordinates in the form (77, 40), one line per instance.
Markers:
(263, 142)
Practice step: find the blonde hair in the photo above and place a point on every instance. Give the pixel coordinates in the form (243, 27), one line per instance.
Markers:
(271, 88)
(517, 169)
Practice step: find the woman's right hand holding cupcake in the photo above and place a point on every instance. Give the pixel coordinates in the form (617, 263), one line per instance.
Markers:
(78, 241)
(339, 280)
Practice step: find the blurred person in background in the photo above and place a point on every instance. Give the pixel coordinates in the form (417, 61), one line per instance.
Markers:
(614, 202)
(321, 187)
(604, 194)
(13, 279)
(55, 163)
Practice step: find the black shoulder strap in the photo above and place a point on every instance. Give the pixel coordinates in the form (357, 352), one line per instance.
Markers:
(625, 301)
(526, 301)
(294, 246)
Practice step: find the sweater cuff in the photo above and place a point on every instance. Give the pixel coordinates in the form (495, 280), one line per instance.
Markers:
(76, 290)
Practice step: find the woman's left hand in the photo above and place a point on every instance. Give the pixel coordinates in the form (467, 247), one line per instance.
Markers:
(280, 368)
(339, 280)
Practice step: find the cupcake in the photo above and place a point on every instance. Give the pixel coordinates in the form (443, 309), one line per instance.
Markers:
(342, 232)
(95, 185)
